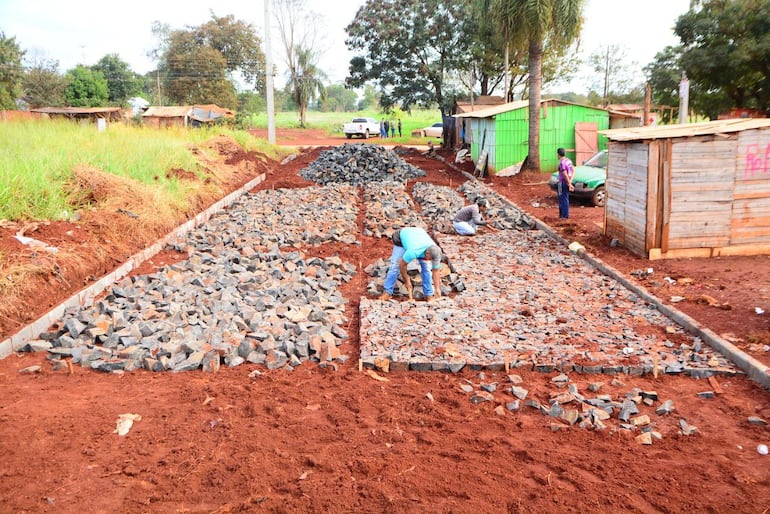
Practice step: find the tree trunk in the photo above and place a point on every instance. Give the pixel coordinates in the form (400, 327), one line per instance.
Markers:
(302, 115)
(506, 71)
(535, 84)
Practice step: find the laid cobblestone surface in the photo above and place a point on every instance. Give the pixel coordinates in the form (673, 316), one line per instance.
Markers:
(528, 302)
(236, 299)
(519, 298)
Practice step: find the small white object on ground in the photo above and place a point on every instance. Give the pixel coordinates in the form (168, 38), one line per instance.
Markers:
(762, 449)
(125, 422)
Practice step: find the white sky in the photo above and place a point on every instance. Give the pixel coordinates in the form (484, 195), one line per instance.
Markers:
(83, 31)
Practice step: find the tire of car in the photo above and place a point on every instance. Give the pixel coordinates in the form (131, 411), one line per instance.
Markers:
(349, 136)
(599, 197)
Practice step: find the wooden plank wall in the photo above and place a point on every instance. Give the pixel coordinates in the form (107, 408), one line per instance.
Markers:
(751, 205)
(626, 209)
(636, 197)
(614, 208)
(702, 184)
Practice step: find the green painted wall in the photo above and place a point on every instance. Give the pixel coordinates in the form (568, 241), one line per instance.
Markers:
(557, 128)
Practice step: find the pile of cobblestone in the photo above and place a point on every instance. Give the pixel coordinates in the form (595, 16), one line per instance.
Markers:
(359, 164)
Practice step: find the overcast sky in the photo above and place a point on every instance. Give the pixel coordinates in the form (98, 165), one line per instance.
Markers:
(83, 31)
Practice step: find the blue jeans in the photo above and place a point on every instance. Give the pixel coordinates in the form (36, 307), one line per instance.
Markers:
(395, 267)
(563, 192)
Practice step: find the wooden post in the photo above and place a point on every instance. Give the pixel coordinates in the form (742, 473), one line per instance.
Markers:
(647, 103)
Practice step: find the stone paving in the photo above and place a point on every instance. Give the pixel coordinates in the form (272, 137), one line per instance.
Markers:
(528, 302)
(519, 299)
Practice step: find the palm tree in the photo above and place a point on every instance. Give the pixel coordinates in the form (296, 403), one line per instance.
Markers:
(531, 23)
(306, 81)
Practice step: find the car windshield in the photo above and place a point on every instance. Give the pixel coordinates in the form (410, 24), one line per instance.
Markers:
(359, 120)
(599, 160)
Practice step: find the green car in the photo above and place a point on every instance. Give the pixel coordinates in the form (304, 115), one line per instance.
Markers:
(589, 179)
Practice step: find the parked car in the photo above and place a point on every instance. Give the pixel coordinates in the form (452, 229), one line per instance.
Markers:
(589, 179)
(435, 130)
(362, 127)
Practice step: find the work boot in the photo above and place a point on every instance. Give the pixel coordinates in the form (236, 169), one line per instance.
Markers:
(385, 297)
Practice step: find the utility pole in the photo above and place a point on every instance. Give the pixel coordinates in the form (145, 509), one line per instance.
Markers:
(269, 78)
(157, 76)
(647, 104)
(684, 98)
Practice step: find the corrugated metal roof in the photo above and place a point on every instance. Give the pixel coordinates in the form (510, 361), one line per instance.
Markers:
(214, 108)
(685, 130)
(494, 110)
(512, 106)
(480, 102)
(75, 110)
(625, 107)
(174, 111)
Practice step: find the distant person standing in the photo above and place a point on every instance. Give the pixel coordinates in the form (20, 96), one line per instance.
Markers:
(392, 128)
(566, 171)
(382, 129)
(387, 127)
(399, 127)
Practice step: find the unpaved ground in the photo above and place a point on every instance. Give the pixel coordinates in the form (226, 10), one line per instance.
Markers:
(317, 440)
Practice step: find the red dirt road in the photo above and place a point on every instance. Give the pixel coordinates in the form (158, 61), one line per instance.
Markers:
(317, 440)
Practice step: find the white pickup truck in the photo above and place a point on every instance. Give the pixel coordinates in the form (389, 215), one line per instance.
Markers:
(364, 127)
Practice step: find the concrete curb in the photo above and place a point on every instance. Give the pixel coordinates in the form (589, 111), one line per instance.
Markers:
(86, 296)
(753, 368)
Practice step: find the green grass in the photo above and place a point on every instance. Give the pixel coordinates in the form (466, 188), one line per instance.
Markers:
(332, 122)
(38, 158)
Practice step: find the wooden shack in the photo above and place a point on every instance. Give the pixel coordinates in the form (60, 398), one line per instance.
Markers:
(184, 115)
(81, 114)
(691, 190)
(500, 133)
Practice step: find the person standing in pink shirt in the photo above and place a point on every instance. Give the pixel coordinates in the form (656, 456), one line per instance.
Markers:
(566, 171)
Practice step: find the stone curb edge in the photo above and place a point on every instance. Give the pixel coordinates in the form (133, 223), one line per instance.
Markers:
(755, 370)
(86, 296)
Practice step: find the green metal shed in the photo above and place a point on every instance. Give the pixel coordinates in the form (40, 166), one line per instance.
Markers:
(503, 132)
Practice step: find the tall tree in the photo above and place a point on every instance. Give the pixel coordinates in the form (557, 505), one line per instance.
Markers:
(485, 64)
(240, 45)
(726, 53)
(122, 82)
(613, 69)
(307, 84)
(663, 75)
(370, 98)
(86, 88)
(199, 64)
(43, 85)
(408, 48)
(534, 22)
(298, 32)
(11, 71)
(196, 73)
(339, 99)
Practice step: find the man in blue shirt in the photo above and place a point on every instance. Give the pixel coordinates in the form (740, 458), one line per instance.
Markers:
(411, 243)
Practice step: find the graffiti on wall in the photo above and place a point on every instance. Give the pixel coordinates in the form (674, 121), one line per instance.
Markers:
(757, 160)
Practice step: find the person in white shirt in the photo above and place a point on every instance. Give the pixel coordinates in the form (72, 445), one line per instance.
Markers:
(469, 218)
